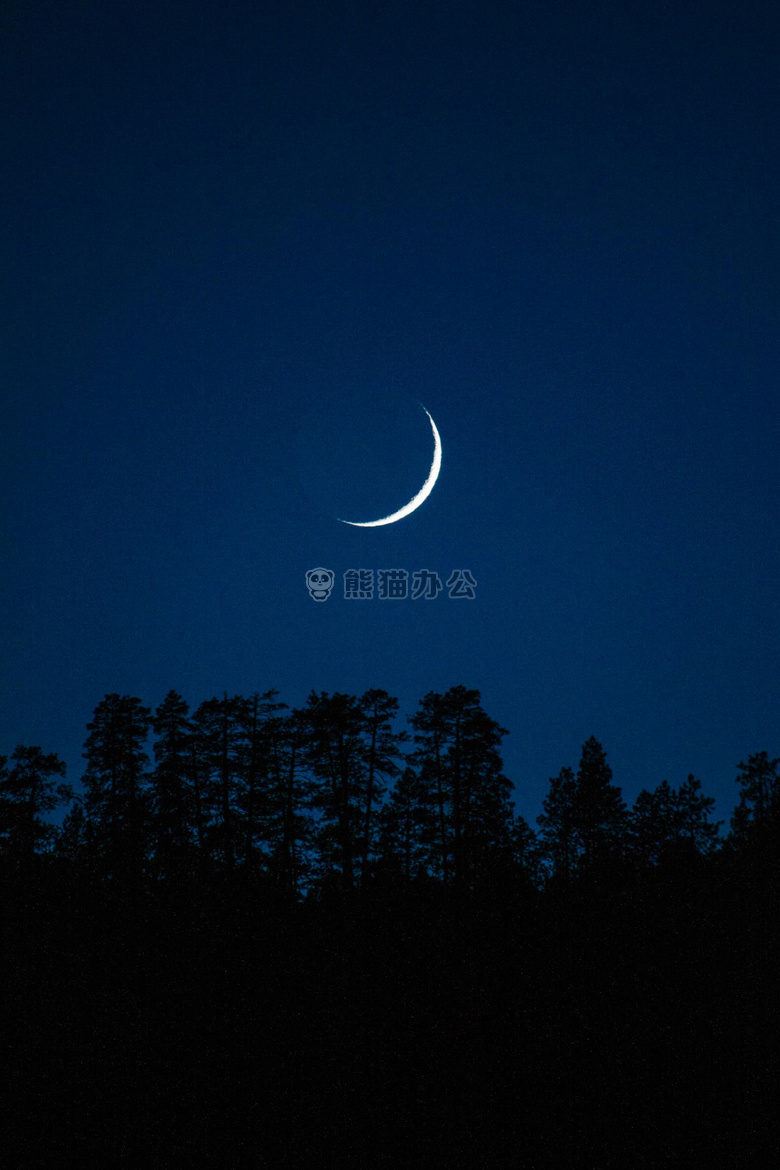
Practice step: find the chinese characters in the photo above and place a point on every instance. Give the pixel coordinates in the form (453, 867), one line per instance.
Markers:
(392, 584)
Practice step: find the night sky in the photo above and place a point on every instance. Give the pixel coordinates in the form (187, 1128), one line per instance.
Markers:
(242, 243)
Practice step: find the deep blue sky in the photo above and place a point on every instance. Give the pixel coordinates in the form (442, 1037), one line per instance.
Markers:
(240, 243)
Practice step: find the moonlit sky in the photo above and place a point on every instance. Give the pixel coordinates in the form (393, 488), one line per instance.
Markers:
(242, 242)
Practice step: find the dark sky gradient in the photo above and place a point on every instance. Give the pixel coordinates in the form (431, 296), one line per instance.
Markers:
(241, 242)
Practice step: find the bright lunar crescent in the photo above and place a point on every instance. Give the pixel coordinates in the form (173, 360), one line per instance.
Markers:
(423, 493)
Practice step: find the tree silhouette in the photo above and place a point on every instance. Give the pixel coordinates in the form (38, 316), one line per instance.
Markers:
(381, 752)
(458, 757)
(558, 843)
(431, 727)
(28, 790)
(6, 806)
(327, 789)
(584, 819)
(334, 754)
(599, 812)
(653, 823)
(219, 730)
(526, 850)
(755, 822)
(408, 831)
(667, 820)
(287, 821)
(694, 811)
(172, 801)
(116, 783)
(256, 793)
(573, 990)
(72, 842)
(486, 839)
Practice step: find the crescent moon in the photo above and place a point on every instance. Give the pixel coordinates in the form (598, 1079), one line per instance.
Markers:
(421, 496)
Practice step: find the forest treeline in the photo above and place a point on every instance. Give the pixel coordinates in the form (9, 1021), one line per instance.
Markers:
(337, 795)
(322, 936)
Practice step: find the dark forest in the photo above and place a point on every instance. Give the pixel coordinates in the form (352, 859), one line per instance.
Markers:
(284, 937)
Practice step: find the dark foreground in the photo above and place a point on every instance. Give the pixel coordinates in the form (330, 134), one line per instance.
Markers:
(620, 1023)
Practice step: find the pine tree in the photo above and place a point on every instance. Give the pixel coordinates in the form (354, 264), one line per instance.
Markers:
(668, 820)
(755, 823)
(256, 794)
(334, 754)
(486, 807)
(584, 819)
(653, 823)
(694, 811)
(217, 764)
(408, 831)
(28, 791)
(559, 846)
(760, 785)
(458, 756)
(116, 783)
(600, 815)
(6, 805)
(173, 803)
(526, 853)
(72, 841)
(381, 752)
(431, 727)
(287, 827)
